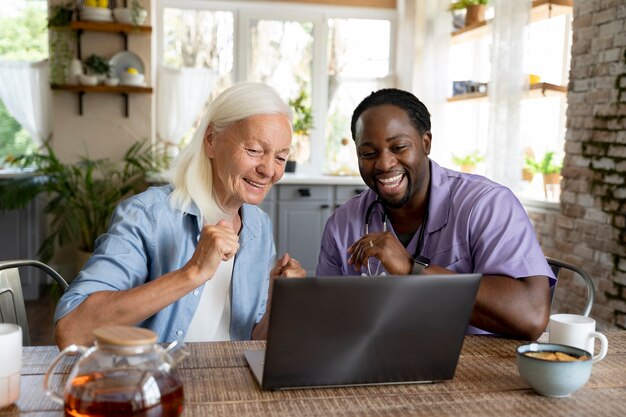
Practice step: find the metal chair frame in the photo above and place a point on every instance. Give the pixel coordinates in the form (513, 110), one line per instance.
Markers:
(12, 308)
(557, 265)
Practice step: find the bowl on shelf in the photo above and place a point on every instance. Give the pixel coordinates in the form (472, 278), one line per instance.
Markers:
(100, 14)
(132, 79)
(125, 15)
(553, 370)
(111, 82)
(85, 79)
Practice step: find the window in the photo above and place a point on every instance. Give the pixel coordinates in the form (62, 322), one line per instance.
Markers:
(23, 36)
(330, 57)
(542, 110)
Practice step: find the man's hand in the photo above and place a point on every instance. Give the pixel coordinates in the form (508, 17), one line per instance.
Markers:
(383, 246)
(217, 243)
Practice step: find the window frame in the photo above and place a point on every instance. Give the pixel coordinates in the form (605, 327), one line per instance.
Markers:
(318, 14)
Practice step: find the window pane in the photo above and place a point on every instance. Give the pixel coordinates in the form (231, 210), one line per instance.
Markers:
(358, 63)
(197, 38)
(281, 55)
(23, 36)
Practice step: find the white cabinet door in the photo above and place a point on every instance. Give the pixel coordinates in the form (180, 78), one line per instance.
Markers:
(302, 214)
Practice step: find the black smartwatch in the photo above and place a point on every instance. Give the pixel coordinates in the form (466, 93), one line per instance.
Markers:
(419, 263)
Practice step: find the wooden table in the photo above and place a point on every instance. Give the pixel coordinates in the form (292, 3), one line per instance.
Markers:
(218, 383)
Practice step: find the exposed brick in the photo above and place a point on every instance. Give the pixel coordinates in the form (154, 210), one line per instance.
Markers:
(610, 55)
(604, 16)
(597, 216)
(619, 221)
(620, 193)
(617, 151)
(620, 166)
(611, 28)
(603, 163)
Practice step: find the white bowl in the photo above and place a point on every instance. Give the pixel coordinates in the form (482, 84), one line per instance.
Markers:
(112, 82)
(125, 15)
(85, 79)
(132, 79)
(95, 10)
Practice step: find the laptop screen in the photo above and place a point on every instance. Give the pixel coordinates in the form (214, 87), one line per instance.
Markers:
(329, 331)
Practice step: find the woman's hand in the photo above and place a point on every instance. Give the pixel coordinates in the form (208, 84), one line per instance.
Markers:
(217, 243)
(287, 267)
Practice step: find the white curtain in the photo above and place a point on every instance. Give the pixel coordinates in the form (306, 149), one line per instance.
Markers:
(433, 26)
(25, 92)
(506, 89)
(181, 94)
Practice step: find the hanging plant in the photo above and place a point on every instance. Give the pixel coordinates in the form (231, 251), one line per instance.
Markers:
(61, 15)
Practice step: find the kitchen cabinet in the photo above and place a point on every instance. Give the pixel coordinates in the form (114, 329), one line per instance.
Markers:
(121, 29)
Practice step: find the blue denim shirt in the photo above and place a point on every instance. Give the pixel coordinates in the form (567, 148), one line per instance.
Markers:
(147, 239)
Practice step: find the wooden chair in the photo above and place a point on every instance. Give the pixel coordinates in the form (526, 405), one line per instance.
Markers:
(12, 307)
(558, 265)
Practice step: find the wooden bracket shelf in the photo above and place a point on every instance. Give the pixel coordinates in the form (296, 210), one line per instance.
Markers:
(535, 91)
(124, 90)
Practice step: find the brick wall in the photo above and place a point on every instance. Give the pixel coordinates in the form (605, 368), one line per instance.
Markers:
(589, 230)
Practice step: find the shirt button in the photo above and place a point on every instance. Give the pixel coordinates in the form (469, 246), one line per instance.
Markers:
(179, 333)
(196, 292)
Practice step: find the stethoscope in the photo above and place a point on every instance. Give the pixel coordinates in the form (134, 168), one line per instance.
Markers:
(420, 239)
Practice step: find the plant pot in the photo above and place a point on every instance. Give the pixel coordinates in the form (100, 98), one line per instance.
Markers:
(550, 183)
(80, 260)
(475, 14)
(290, 166)
(468, 168)
(527, 175)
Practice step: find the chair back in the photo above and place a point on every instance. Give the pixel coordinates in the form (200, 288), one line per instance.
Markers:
(12, 307)
(558, 265)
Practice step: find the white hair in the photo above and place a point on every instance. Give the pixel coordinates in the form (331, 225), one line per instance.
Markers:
(191, 172)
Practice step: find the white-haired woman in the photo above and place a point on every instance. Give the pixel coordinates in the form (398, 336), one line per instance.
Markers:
(193, 260)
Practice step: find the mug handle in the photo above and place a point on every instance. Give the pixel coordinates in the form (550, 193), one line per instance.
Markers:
(50, 392)
(604, 346)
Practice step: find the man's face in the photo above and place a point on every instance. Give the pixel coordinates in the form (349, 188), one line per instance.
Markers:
(393, 156)
(248, 158)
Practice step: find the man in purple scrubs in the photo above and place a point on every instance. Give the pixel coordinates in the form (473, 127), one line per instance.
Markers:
(418, 217)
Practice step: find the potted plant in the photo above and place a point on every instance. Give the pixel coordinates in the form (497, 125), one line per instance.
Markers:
(467, 163)
(98, 66)
(82, 195)
(302, 125)
(550, 169)
(474, 10)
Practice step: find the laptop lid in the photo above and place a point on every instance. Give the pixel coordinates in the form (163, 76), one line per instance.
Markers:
(329, 331)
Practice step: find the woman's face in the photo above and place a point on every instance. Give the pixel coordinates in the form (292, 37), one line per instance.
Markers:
(248, 158)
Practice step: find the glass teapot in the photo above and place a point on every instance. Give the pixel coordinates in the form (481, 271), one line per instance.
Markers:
(124, 373)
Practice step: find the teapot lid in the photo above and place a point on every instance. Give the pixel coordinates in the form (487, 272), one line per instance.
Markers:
(124, 336)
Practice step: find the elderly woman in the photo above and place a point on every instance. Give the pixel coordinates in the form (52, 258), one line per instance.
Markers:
(193, 260)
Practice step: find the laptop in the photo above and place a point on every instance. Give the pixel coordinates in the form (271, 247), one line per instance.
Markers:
(337, 331)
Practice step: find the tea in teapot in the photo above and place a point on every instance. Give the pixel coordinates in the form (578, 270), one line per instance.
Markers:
(124, 373)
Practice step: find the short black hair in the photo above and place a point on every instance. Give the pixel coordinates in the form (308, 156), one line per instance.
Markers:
(415, 109)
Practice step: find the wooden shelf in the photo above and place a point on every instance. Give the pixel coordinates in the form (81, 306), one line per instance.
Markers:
(124, 90)
(540, 10)
(537, 90)
(118, 89)
(109, 27)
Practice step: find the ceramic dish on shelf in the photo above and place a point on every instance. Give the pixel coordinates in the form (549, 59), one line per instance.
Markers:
(121, 61)
(97, 14)
(85, 79)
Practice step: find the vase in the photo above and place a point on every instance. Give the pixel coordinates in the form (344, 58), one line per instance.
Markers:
(475, 14)
(468, 168)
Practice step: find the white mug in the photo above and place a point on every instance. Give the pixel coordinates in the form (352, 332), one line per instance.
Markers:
(577, 331)
(10, 363)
